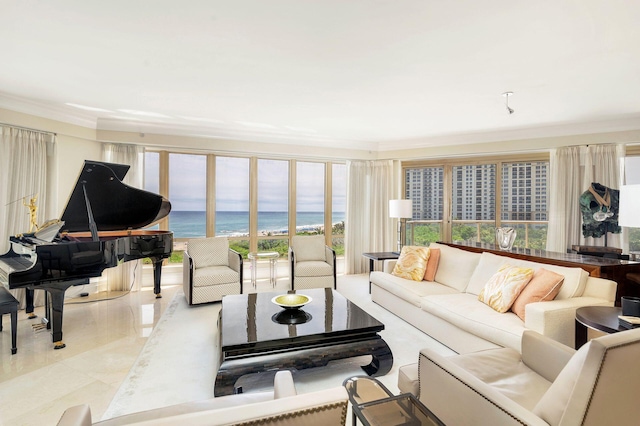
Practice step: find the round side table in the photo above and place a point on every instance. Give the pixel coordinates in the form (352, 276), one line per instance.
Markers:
(601, 318)
(272, 256)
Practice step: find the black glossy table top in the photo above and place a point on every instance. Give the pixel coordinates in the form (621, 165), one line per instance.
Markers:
(249, 321)
(602, 318)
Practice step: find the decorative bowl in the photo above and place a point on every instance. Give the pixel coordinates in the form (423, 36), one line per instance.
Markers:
(291, 301)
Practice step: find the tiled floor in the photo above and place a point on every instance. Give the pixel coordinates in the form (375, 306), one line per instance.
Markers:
(103, 340)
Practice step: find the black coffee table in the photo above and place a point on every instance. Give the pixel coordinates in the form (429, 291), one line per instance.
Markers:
(257, 335)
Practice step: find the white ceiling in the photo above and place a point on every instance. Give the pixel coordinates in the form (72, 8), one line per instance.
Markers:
(348, 73)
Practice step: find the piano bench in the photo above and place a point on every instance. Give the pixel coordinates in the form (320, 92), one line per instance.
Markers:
(9, 305)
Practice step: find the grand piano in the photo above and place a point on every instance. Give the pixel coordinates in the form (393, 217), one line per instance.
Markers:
(99, 228)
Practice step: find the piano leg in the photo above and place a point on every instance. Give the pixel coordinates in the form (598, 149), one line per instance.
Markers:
(29, 302)
(57, 304)
(157, 275)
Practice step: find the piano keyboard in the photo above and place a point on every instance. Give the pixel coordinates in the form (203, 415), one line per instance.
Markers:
(12, 264)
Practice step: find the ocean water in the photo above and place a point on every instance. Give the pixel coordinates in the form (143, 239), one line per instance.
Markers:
(191, 224)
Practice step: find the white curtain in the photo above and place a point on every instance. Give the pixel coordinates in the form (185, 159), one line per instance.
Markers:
(23, 175)
(370, 186)
(573, 169)
(127, 275)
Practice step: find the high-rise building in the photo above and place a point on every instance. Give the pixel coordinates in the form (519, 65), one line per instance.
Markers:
(523, 192)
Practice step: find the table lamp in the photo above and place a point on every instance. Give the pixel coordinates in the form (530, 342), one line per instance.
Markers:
(629, 206)
(401, 210)
(629, 216)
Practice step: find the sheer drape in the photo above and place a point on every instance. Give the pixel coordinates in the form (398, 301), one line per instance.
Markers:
(572, 170)
(127, 275)
(370, 186)
(23, 175)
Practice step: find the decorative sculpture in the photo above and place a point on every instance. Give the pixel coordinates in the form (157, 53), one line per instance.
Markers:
(33, 212)
(599, 207)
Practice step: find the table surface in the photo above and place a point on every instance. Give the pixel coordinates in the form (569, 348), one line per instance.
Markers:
(252, 323)
(374, 404)
(381, 255)
(263, 254)
(601, 318)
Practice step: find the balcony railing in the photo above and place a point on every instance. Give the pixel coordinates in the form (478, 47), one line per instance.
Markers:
(530, 234)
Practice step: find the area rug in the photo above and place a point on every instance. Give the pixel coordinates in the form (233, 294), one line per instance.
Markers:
(180, 359)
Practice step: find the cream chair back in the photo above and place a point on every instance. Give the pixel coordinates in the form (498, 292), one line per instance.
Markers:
(598, 386)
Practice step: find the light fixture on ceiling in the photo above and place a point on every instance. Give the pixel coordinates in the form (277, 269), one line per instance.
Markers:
(506, 95)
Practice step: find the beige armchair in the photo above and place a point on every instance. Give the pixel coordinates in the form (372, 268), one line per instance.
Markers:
(312, 263)
(321, 408)
(549, 384)
(211, 270)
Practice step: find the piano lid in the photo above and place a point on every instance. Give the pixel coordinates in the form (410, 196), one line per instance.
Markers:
(115, 205)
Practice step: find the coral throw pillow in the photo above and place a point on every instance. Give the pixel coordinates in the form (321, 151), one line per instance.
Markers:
(432, 264)
(504, 287)
(545, 285)
(412, 263)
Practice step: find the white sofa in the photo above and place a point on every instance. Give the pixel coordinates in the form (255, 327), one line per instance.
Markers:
(448, 308)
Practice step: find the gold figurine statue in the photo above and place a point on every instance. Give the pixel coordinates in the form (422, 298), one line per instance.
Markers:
(33, 212)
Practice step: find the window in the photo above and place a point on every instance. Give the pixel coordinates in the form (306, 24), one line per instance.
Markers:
(424, 186)
(252, 198)
(232, 196)
(479, 197)
(309, 198)
(473, 217)
(273, 205)
(188, 195)
(338, 206)
(518, 209)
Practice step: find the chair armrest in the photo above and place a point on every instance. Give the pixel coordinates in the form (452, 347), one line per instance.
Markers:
(556, 318)
(79, 415)
(292, 256)
(187, 275)
(457, 397)
(235, 260)
(283, 385)
(330, 255)
(544, 355)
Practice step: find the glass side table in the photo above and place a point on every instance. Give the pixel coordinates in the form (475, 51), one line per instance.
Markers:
(272, 256)
(373, 404)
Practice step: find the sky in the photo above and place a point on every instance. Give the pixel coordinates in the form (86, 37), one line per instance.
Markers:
(188, 191)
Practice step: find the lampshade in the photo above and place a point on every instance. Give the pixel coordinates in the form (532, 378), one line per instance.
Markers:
(400, 208)
(629, 207)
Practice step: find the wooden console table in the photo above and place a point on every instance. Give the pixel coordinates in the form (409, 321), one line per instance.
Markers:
(601, 267)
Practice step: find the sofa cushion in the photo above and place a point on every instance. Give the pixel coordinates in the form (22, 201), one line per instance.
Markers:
(545, 285)
(411, 291)
(412, 263)
(575, 279)
(432, 264)
(505, 286)
(209, 251)
(465, 312)
(455, 266)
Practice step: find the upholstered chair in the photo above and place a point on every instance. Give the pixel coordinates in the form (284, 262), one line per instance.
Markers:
(211, 270)
(280, 407)
(312, 263)
(547, 384)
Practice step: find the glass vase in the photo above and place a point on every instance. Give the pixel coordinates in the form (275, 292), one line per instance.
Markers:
(505, 236)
